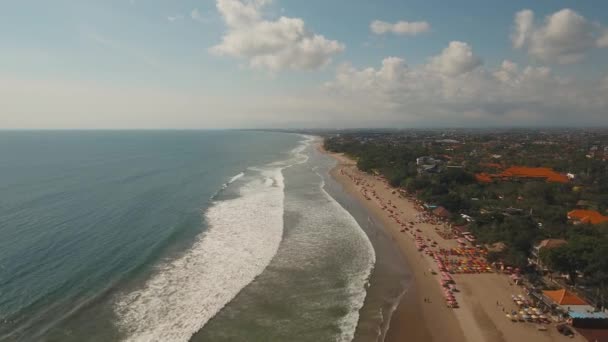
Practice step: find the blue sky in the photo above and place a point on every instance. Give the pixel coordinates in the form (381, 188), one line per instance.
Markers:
(155, 64)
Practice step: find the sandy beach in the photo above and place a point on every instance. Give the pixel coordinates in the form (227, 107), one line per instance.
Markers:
(483, 299)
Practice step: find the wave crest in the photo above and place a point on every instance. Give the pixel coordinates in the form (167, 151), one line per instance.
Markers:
(185, 293)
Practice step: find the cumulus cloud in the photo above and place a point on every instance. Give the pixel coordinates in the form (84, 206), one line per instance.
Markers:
(273, 45)
(564, 37)
(506, 71)
(524, 24)
(400, 27)
(456, 59)
(458, 90)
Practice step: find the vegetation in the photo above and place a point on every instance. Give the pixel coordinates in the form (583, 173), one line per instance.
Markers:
(517, 213)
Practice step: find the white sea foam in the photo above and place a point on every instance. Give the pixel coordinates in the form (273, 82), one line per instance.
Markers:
(184, 294)
(233, 179)
(358, 279)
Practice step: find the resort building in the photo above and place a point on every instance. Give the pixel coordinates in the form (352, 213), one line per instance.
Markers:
(568, 301)
(586, 216)
(544, 245)
(524, 173)
(590, 320)
(536, 173)
(428, 164)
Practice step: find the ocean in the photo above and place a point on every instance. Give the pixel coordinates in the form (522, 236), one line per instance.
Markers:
(182, 236)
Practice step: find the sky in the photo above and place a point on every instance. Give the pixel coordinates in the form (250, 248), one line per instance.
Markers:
(204, 64)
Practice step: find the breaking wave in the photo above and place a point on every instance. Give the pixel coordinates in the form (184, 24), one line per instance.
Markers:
(184, 294)
(233, 179)
(359, 276)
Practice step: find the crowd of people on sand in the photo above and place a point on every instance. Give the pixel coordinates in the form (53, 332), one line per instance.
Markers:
(446, 261)
(524, 311)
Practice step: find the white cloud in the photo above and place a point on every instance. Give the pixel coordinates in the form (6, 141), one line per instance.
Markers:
(464, 93)
(273, 45)
(456, 59)
(507, 71)
(524, 22)
(565, 36)
(400, 27)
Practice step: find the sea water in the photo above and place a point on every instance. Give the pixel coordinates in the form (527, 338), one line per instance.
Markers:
(175, 236)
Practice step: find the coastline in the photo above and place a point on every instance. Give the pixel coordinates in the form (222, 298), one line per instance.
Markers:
(422, 313)
(412, 318)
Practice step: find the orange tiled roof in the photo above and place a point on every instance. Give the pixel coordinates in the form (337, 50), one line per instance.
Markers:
(483, 178)
(534, 172)
(587, 216)
(564, 297)
(552, 243)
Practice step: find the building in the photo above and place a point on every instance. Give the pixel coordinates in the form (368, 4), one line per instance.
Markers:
(429, 169)
(447, 141)
(589, 320)
(579, 216)
(483, 177)
(524, 173)
(428, 164)
(544, 245)
(567, 301)
(426, 160)
(540, 173)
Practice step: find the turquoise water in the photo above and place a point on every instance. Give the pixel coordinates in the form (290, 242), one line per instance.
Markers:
(175, 236)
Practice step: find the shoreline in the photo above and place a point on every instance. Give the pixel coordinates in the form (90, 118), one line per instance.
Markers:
(483, 299)
(412, 318)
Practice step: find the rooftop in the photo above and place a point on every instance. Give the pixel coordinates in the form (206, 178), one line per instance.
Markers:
(551, 243)
(588, 315)
(587, 216)
(564, 297)
(535, 172)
